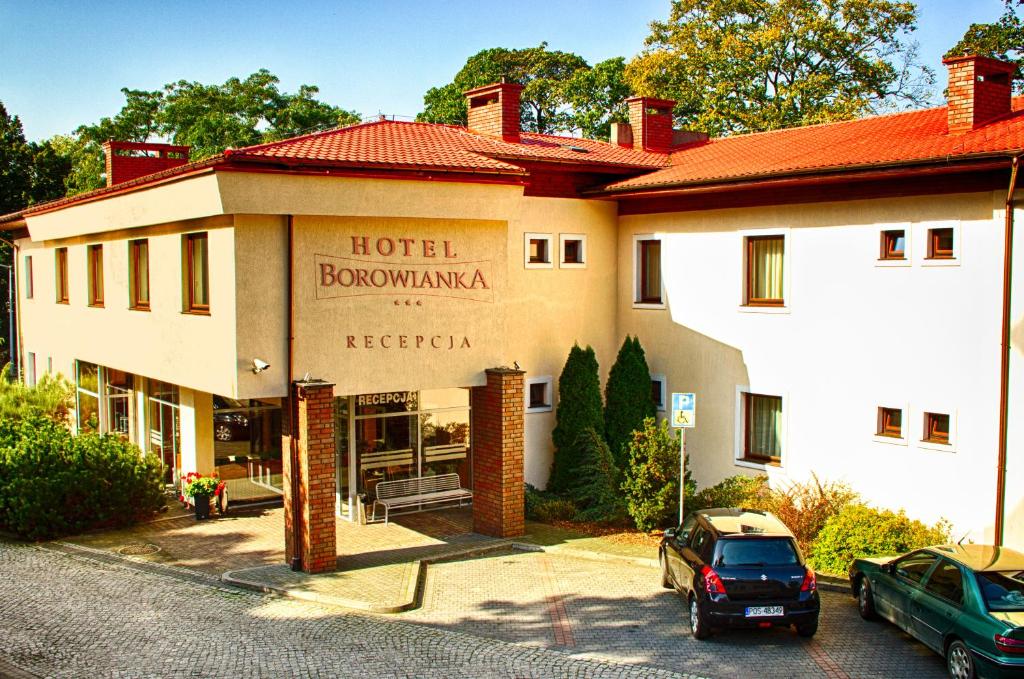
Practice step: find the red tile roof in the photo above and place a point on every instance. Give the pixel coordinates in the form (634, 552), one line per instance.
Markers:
(389, 143)
(901, 138)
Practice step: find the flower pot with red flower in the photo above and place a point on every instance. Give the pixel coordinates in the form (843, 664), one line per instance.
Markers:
(202, 489)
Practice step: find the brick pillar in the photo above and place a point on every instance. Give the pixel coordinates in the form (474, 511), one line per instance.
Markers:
(498, 454)
(311, 407)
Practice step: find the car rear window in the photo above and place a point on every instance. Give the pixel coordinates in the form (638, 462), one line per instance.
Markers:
(756, 552)
(1003, 590)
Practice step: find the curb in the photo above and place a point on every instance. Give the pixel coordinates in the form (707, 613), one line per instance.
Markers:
(831, 583)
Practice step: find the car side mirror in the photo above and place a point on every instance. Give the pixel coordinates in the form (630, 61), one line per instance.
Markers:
(889, 568)
(670, 533)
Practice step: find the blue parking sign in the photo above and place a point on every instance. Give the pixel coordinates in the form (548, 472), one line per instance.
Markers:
(684, 410)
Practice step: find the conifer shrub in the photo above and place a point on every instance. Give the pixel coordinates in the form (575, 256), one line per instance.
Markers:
(53, 483)
(651, 480)
(628, 400)
(595, 489)
(579, 409)
(860, 531)
(52, 396)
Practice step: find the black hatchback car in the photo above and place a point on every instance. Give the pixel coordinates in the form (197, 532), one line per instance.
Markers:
(739, 568)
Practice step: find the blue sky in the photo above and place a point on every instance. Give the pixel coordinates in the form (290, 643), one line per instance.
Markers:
(63, 63)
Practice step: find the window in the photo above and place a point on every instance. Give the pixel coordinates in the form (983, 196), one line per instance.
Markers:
(947, 581)
(894, 244)
(538, 394)
(914, 567)
(29, 286)
(647, 268)
(61, 268)
(936, 428)
(762, 428)
(96, 275)
(538, 250)
(87, 405)
(658, 387)
(765, 276)
(138, 274)
(30, 369)
(117, 387)
(574, 250)
(940, 243)
(890, 422)
(197, 273)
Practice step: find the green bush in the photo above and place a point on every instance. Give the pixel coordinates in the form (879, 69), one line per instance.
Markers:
(652, 477)
(735, 491)
(540, 505)
(628, 400)
(858, 531)
(53, 483)
(595, 488)
(51, 396)
(579, 408)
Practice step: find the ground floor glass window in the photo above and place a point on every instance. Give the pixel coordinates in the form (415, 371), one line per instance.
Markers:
(165, 427)
(247, 447)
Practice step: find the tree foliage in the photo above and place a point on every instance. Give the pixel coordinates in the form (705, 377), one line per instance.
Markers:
(579, 409)
(1002, 39)
(652, 477)
(561, 92)
(52, 396)
(628, 400)
(209, 118)
(594, 488)
(741, 65)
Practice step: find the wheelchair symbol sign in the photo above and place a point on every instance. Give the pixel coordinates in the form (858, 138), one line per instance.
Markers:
(684, 410)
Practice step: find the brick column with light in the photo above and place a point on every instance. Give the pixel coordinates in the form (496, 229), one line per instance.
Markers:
(312, 410)
(498, 454)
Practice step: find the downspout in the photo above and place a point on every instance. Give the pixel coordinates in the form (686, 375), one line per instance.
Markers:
(293, 452)
(1004, 358)
(14, 306)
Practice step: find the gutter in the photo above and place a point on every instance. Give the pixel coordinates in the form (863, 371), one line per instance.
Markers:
(1004, 357)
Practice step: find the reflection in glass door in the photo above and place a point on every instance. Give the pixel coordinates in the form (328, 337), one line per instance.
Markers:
(165, 428)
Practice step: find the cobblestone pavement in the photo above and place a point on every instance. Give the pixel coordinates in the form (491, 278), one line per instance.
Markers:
(615, 610)
(63, 615)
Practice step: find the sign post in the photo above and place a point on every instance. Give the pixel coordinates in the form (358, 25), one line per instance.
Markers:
(684, 416)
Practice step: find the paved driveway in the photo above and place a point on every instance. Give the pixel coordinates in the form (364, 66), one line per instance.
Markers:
(618, 611)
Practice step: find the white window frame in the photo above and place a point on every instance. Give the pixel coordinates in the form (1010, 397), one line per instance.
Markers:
(30, 285)
(637, 238)
(787, 271)
(904, 409)
(664, 392)
(740, 421)
(926, 239)
(549, 390)
(582, 238)
(908, 245)
(527, 237)
(30, 368)
(936, 409)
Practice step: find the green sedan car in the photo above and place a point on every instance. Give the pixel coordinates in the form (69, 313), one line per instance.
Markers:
(963, 601)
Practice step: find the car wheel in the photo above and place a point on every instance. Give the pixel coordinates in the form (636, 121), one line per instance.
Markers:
(698, 624)
(807, 629)
(959, 662)
(222, 432)
(866, 600)
(666, 582)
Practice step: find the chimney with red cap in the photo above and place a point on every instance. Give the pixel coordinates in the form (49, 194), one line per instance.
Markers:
(127, 160)
(979, 91)
(494, 110)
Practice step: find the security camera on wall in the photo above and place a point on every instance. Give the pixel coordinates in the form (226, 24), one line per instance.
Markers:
(259, 365)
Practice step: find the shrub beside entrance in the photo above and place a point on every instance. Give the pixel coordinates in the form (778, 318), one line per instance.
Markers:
(53, 483)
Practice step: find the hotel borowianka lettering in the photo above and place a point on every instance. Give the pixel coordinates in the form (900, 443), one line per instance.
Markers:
(402, 266)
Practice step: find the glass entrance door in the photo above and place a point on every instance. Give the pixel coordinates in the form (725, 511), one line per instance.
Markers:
(165, 428)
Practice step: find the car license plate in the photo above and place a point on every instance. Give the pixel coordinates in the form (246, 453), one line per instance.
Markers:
(764, 611)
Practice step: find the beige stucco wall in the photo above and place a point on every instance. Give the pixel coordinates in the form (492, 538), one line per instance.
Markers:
(1013, 522)
(854, 336)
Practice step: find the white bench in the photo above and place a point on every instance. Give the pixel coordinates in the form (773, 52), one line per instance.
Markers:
(423, 490)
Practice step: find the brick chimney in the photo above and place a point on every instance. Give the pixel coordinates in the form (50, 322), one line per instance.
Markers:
(651, 122)
(979, 91)
(127, 160)
(494, 110)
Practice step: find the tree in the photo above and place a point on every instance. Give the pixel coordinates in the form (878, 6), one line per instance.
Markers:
(652, 476)
(594, 488)
(561, 92)
(209, 118)
(735, 65)
(1002, 39)
(628, 400)
(579, 408)
(15, 164)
